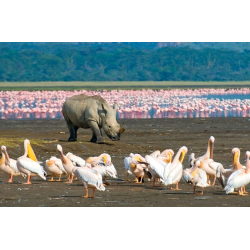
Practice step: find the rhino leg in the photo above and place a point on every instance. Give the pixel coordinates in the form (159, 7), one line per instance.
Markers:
(97, 134)
(72, 131)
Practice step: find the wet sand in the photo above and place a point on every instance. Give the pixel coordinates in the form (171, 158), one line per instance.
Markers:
(141, 136)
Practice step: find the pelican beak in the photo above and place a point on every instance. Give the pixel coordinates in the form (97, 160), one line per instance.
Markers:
(170, 157)
(104, 160)
(182, 156)
(194, 171)
(142, 162)
(235, 156)
(31, 153)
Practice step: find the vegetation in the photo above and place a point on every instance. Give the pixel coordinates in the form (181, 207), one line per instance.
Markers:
(30, 86)
(22, 62)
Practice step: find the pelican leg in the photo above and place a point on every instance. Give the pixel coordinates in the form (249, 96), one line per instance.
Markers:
(141, 179)
(176, 187)
(70, 179)
(202, 191)
(52, 178)
(208, 179)
(214, 181)
(28, 180)
(136, 179)
(153, 182)
(93, 196)
(244, 190)
(87, 193)
(194, 190)
(11, 179)
(127, 177)
(59, 177)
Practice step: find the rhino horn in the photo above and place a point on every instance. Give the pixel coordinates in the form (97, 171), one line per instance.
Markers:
(121, 130)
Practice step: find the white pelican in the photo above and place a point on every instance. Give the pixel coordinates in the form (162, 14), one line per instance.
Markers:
(67, 164)
(137, 168)
(172, 172)
(105, 158)
(206, 159)
(127, 161)
(90, 179)
(8, 165)
(55, 167)
(239, 178)
(79, 162)
(195, 176)
(105, 170)
(157, 168)
(29, 165)
(176, 168)
(223, 174)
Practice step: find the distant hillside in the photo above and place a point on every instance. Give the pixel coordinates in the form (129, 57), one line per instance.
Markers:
(124, 62)
(55, 47)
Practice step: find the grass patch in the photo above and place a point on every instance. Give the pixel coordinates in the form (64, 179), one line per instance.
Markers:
(31, 86)
(12, 142)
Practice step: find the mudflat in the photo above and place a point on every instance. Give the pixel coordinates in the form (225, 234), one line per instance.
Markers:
(142, 136)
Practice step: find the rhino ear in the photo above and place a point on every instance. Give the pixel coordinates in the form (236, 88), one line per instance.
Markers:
(115, 106)
(122, 130)
(104, 106)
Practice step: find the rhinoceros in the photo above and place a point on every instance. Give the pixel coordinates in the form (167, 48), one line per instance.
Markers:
(82, 111)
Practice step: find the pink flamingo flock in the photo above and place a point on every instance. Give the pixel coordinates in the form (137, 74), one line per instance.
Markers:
(174, 103)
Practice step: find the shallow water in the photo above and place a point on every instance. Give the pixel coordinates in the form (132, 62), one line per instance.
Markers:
(132, 104)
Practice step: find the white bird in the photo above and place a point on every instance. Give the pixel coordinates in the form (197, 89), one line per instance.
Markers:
(239, 178)
(55, 167)
(30, 166)
(67, 164)
(206, 159)
(158, 169)
(223, 174)
(90, 179)
(8, 165)
(104, 165)
(137, 168)
(105, 171)
(176, 168)
(195, 176)
(79, 162)
(170, 173)
(127, 161)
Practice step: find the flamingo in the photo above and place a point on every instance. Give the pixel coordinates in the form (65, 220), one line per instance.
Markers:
(29, 165)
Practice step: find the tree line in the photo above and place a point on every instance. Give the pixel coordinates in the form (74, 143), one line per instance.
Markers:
(123, 63)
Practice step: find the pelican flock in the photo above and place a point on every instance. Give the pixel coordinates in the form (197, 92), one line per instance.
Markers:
(163, 168)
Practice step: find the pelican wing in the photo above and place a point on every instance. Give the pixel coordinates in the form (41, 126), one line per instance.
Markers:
(76, 159)
(90, 176)
(33, 167)
(127, 161)
(235, 174)
(156, 166)
(111, 170)
(13, 165)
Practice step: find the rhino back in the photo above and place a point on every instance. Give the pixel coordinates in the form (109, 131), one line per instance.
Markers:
(79, 108)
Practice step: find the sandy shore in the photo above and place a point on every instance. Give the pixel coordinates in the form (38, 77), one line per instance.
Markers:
(143, 137)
